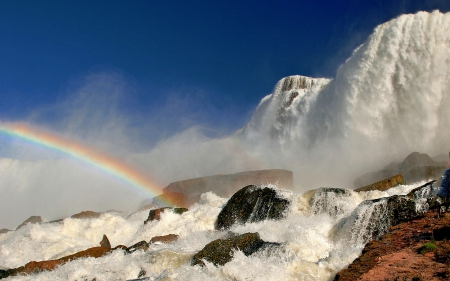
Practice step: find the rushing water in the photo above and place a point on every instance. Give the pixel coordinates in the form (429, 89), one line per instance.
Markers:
(318, 237)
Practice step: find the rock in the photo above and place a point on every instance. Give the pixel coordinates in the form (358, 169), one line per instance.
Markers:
(396, 257)
(4, 230)
(384, 184)
(142, 245)
(226, 185)
(86, 215)
(221, 251)
(442, 233)
(252, 204)
(170, 199)
(379, 215)
(165, 239)
(330, 200)
(105, 242)
(424, 173)
(156, 213)
(415, 167)
(32, 219)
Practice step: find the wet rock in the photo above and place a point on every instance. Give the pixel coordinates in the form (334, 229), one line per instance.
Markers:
(86, 215)
(373, 218)
(156, 213)
(384, 185)
(32, 219)
(164, 239)
(252, 204)
(227, 185)
(221, 251)
(330, 200)
(395, 256)
(4, 230)
(142, 245)
(105, 242)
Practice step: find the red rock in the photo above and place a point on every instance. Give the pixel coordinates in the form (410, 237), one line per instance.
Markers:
(164, 239)
(395, 256)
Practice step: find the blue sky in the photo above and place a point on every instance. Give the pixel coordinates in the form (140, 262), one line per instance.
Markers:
(219, 56)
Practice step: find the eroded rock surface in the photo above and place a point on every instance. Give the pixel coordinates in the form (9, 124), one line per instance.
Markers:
(252, 204)
(221, 251)
(397, 255)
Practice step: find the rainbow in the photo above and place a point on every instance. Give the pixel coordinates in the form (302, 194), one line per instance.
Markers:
(85, 154)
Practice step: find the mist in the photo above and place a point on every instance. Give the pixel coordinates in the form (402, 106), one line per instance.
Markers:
(388, 99)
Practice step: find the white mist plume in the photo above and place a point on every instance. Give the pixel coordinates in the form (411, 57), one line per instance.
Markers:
(389, 99)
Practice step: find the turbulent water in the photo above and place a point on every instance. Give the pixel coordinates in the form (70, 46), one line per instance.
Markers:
(315, 243)
(390, 98)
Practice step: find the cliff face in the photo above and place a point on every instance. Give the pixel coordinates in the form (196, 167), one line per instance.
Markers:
(227, 185)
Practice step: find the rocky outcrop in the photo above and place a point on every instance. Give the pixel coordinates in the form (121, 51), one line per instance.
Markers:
(221, 251)
(171, 199)
(32, 219)
(226, 185)
(252, 204)
(142, 245)
(86, 215)
(34, 267)
(373, 218)
(4, 230)
(164, 239)
(415, 167)
(398, 255)
(156, 213)
(105, 242)
(384, 185)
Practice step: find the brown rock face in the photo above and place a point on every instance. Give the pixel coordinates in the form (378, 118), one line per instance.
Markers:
(105, 242)
(227, 185)
(32, 219)
(398, 256)
(86, 215)
(384, 184)
(156, 213)
(171, 198)
(164, 239)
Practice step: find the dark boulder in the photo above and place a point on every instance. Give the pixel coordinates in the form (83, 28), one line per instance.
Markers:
(105, 242)
(221, 251)
(32, 219)
(156, 213)
(252, 204)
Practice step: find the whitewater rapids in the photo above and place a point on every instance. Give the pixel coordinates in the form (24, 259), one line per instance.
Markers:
(312, 247)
